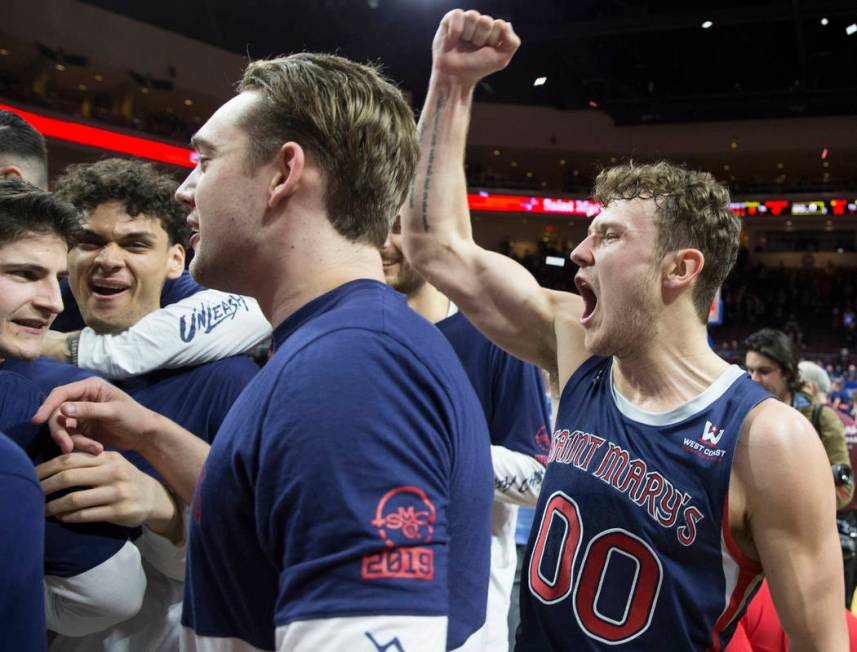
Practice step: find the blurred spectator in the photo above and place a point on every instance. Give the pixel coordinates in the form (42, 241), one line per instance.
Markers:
(840, 398)
(772, 361)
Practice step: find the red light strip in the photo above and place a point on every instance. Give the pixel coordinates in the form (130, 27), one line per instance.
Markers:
(111, 141)
(486, 202)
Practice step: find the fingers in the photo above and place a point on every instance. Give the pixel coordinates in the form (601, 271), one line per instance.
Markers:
(87, 445)
(507, 41)
(482, 29)
(71, 392)
(82, 476)
(453, 23)
(70, 506)
(64, 462)
(478, 30)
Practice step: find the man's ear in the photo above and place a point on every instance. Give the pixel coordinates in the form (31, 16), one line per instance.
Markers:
(289, 169)
(12, 171)
(682, 268)
(175, 262)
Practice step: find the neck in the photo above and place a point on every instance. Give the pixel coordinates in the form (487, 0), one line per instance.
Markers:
(671, 368)
(306, 262)
(430, 302)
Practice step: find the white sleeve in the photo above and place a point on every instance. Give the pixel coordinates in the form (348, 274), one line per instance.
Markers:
(517, 477)
(369, 633)
(209, 325)
(98, 598)
(165, 556)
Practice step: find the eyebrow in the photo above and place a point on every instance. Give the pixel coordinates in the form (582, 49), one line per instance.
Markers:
(601, 227)
(198, 143)
(25, 267)
(90, 235)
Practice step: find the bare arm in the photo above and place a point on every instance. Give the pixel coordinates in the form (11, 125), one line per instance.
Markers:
(785, 479)
(499, 296)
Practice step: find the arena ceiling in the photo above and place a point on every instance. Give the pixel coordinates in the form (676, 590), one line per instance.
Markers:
(641, 61)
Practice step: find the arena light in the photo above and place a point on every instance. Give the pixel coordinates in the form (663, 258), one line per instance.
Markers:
(111, 141)
(540, 81)
(851, 29)
(707, 24)
(824, 22)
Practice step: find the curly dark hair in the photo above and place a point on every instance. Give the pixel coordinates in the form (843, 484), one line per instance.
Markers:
(27, 210)
(138, 186)
(691, 210)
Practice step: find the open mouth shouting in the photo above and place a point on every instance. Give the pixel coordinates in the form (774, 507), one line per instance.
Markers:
(590, 300)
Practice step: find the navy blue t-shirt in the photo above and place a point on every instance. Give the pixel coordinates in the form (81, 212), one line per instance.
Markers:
(22, 531)
(510, 390)
(197, 398)
(352, 477)
(70, 549)
(46, 373)
(174, 290)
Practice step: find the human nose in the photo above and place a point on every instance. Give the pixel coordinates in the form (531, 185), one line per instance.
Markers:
(109, 256)
(582, 253)
(49, 298)
(184, 193)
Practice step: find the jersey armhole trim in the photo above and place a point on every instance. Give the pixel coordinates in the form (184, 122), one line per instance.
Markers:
(743, 561)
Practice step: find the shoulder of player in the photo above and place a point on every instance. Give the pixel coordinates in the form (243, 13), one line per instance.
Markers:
(365, 352)
(774, 438)
(774, 424)
(17, 388)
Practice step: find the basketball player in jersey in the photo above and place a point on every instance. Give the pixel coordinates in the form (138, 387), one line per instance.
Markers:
(672, 479)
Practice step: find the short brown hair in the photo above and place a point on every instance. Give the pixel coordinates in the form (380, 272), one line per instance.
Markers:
(26, 210)
(691, 210)
(138, 186)
(354, 123)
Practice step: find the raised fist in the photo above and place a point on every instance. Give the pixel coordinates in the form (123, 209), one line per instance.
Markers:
(469, 46)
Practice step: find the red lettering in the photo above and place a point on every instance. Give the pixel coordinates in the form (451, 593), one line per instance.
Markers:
(415, 563)
(687, 533)
(650, 490)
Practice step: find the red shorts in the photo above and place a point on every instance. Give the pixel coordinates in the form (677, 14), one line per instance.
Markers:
(760, 630)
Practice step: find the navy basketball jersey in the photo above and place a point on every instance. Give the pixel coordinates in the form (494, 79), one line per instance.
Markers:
(630, 548)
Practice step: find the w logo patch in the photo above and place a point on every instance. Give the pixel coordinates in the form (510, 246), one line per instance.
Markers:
(391, 646)
(712, 434)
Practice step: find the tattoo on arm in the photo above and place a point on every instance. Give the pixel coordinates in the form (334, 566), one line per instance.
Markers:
(72, 342)
(441, 102)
